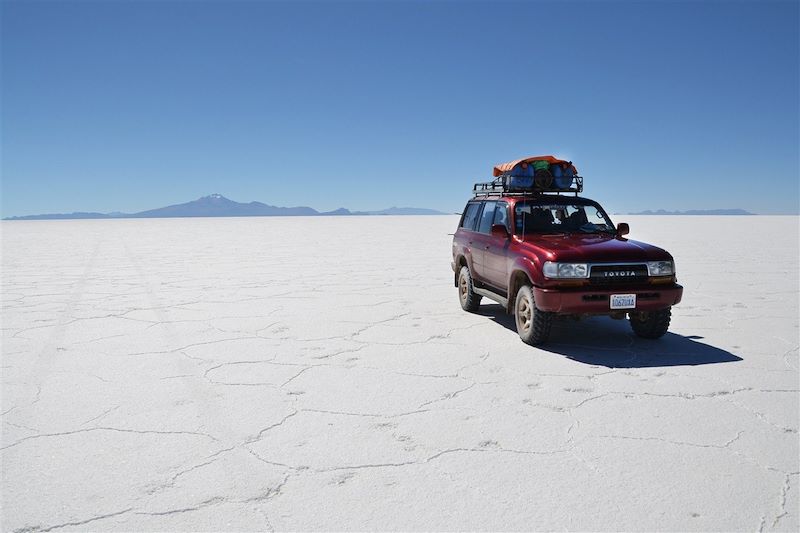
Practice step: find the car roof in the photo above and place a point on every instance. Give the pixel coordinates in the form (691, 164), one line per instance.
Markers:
(543, 199)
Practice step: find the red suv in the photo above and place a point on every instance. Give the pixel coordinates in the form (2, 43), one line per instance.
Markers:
(541, 253)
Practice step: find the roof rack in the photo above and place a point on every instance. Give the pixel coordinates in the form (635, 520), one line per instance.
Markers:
(501, 186)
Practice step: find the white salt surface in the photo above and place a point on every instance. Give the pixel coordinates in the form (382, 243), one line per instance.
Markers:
(318, 374)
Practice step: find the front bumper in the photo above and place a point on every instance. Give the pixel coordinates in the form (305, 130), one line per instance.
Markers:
(598, 301)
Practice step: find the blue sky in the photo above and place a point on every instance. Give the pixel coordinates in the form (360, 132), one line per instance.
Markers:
(125, 106)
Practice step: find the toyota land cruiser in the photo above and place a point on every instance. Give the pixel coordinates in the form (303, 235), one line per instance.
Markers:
(540, 253)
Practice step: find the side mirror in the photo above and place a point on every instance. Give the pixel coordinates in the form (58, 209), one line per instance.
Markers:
(500, 231)
(623, 229)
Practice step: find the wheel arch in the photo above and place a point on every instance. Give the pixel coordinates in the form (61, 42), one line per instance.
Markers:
(461, 261)
(517, 279)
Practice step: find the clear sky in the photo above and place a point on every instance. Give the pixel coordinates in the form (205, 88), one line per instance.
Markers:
(126, 106)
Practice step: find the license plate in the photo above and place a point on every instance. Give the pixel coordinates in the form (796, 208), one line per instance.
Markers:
(623, 301)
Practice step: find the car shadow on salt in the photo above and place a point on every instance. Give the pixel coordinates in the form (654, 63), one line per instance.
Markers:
(603, 341)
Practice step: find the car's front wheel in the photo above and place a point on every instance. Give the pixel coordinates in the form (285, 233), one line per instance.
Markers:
(650, 324)
(533, 325)
(470, 301)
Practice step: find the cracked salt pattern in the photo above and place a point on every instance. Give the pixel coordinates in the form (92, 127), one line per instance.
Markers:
(318, 374)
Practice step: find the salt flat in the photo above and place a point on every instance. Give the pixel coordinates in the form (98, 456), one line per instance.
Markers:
(318, 374)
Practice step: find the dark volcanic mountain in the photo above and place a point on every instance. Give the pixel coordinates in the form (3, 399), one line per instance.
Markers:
(216, 205)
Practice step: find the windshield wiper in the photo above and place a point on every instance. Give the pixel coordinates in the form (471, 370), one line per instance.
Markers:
(594, 229)
(535, 234)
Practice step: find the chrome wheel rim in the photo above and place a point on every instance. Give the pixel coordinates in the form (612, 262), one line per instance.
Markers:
(463, 288)
(524, 313)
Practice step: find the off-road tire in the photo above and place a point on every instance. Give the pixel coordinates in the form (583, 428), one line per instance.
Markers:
(470, 301)
(533, 325)
(650, 324)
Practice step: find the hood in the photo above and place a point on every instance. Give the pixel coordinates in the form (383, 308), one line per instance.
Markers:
(593, 248)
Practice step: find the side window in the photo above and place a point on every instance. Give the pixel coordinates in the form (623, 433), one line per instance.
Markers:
(501, 215)
(470, 216)
(487, 217)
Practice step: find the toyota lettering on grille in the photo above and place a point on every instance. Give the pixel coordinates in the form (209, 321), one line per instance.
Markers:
(619, 274)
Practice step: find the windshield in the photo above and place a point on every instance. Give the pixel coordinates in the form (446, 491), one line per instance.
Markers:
(540, 218)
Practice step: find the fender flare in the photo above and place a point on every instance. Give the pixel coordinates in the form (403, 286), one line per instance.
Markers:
(459, 261)
(523, 271)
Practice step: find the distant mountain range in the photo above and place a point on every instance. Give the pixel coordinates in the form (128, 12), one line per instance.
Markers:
(216, 205)
(696, 212)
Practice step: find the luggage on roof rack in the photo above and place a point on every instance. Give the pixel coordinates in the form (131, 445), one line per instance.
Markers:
(506, 168)
(532, 175)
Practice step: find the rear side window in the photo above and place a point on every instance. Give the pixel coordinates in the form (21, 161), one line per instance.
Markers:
(470, 216)
(487, 217)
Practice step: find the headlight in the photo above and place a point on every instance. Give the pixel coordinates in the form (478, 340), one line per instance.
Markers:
(660, 268)
(566, 270)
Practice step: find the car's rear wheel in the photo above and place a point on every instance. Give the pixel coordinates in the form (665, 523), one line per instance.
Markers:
(650, 324)
(533, 325)
(470, 301)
